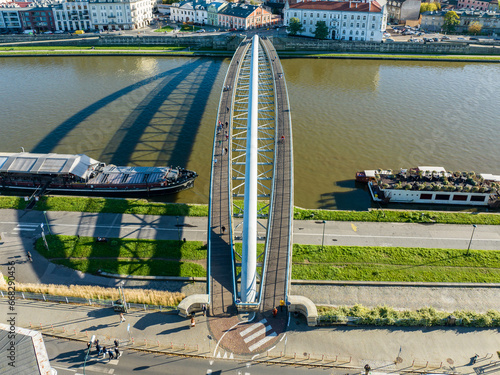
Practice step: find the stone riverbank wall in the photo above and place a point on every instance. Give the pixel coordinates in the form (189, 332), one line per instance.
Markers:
(230, 42)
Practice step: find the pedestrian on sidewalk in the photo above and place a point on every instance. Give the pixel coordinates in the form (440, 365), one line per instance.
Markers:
(117, 352)
(98, 348)
(223, 228)
(122, 318)
(29, 257)
(111, 355)
(193, 323)
(275, 312)
(116, 343)
(104, 351)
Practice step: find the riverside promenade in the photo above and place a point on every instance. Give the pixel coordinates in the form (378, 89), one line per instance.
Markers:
(350, 346)
(395, 349)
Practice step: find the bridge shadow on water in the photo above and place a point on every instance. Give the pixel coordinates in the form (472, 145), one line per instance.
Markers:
(162, 128)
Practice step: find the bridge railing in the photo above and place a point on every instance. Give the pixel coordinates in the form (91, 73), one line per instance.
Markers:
(269, 224)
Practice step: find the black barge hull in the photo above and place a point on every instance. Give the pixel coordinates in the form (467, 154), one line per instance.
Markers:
(104, 192)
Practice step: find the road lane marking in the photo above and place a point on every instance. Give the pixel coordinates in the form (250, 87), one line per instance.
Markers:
(64, 368)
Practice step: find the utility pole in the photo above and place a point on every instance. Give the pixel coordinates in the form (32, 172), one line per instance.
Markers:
(323, 240)
(474, 226)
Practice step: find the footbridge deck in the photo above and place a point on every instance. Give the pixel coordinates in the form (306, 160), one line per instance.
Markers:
(220, 263)
(252, 147)
(275, 261)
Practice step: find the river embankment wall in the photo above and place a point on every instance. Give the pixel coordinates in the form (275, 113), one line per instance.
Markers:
(230, 43)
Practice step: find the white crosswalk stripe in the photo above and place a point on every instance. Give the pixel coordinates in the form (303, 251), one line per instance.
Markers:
(253, 327)
(257, 334)
(256, 331)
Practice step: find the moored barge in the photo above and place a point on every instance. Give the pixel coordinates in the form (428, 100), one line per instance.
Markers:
(83, 176)
(432, 185)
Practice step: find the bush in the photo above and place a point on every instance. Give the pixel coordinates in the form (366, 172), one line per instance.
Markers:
(424, 317)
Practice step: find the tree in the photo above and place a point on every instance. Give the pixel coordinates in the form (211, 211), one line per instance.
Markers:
(321, 31)
(294, 26)
(429, 7)
(451, 19)
(475, 28)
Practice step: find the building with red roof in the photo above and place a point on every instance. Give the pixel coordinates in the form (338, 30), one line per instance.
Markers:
(346, 20)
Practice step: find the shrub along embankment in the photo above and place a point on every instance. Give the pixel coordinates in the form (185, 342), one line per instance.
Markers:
(144, 207)
(387, 316)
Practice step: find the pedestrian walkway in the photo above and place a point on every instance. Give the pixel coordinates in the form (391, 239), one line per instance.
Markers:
(394, 349)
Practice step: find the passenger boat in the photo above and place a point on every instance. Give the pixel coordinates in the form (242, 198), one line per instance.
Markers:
(432, 185)
(82, 175)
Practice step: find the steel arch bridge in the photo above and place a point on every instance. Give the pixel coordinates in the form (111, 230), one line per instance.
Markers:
(251, 186)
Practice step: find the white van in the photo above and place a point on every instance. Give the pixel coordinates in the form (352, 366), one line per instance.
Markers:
(28, 31)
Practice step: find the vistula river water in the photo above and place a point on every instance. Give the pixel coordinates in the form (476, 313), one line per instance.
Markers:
(347, 115)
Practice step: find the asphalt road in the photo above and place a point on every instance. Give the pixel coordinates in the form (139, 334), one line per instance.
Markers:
(27, 224)
(67, 358)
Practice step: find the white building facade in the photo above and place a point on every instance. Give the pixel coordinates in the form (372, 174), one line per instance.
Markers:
(10, 20)
(120, 14)
(190, 11)
(71, 16)
(346, 20)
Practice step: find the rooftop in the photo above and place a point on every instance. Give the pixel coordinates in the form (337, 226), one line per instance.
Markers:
(339, 6)
(25, 162)
(434, 178)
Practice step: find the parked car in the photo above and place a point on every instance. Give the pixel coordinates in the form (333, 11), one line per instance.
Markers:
(59, 32)
(444, 37)
(48, 32)
(435, 39)
(200, 30)
(473, 38)
(460, 39)
(389, 40)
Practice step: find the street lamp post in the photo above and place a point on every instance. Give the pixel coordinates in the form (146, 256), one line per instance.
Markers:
(323, 240)
(88, 351)
(472, 236)
(47, 221)
(178, 229)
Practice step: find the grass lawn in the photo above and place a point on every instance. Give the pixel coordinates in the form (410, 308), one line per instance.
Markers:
(126, 206)
(143, 207)
(126, 256)
(89, 48)
(395, 264)
(163, 29)
(399, 216)
(153, 267)
(87, 247)
(189, 28)
(172, 258)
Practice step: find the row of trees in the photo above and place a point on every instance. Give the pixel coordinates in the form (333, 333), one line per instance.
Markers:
(295, 27)
(452, 19)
